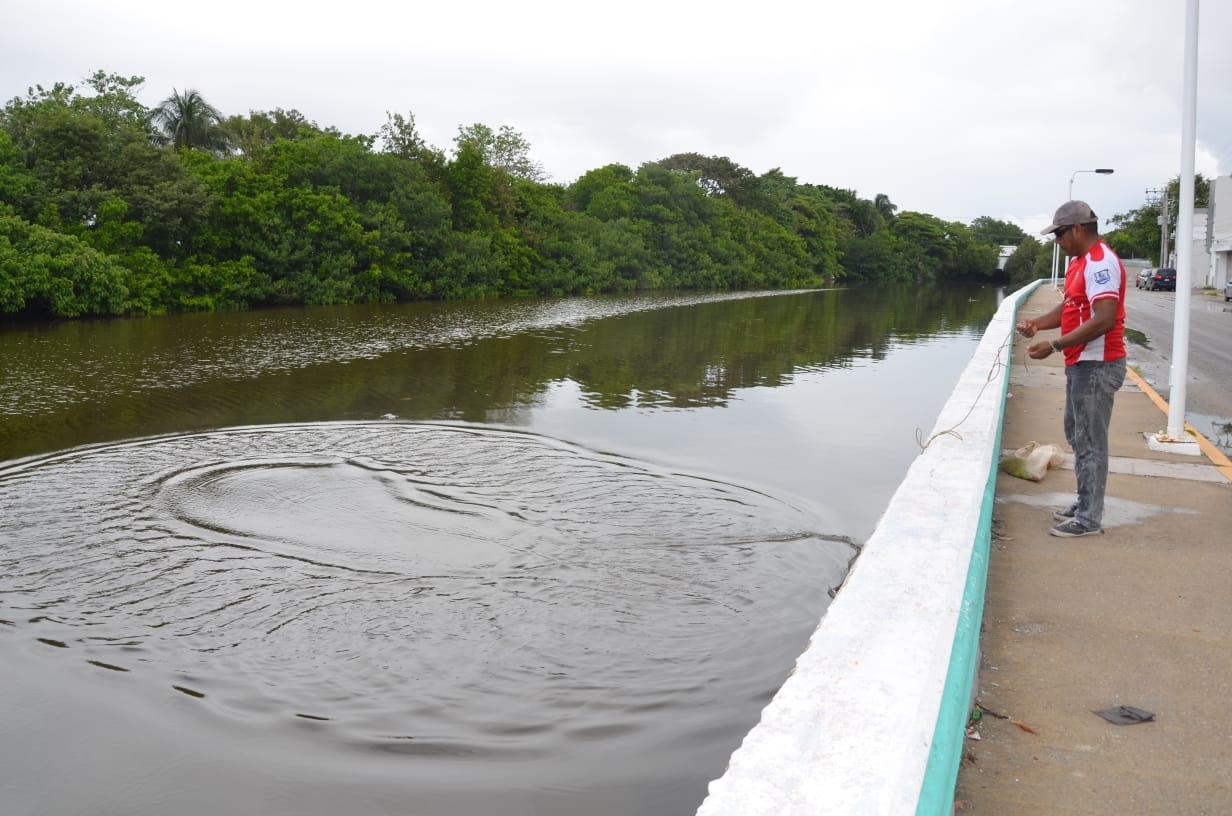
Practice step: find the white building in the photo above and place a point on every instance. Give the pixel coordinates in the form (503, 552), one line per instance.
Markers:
(1004, 253)
(1199, 255)
(1218, 241)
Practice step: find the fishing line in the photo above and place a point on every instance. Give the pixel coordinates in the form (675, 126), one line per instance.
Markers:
(953, 429)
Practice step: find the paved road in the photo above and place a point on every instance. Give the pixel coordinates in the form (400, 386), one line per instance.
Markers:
(1208, 393)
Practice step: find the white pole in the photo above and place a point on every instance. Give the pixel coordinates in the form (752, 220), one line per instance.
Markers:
(1056, 250)
(1069, 196)
(1184, 230)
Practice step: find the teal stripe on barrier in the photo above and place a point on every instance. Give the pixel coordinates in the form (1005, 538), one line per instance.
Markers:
(945, 754)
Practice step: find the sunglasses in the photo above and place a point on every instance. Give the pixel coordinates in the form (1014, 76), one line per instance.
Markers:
(1059, 232)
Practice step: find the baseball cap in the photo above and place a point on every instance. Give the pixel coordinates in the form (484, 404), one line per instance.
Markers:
(1070, 213)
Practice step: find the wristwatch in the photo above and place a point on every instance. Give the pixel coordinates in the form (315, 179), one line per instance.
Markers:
(1054, 345)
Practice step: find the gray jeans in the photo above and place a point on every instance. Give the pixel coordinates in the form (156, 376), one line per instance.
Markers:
(1089, 389)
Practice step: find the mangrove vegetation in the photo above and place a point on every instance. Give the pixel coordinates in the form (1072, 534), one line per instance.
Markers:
(109, 208)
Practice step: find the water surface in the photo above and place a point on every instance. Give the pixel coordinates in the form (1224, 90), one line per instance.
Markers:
(545, 557)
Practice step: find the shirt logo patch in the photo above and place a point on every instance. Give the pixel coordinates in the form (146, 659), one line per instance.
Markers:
(1102, 276)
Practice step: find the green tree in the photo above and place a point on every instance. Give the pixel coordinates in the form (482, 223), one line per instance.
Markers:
(716, 175)
(470, 181)
(817, 225)
(1202, 192)
(608, 189)
(305, 214)
(16, 180)
(86, 160)
(924, 242)
(863, 215)
(972, 260)
(49, 273)
(988, 230)
(186, 121)
(876, 258)
(255, 133)
(1135, 234)
(1020, 266)
(400, 137)
(505, 150)
(885, 207)
(774, 193)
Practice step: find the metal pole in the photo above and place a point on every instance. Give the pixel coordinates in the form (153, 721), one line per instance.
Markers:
(1069, 196)
(1184, 230)
(1164, 218)
(1056, 251)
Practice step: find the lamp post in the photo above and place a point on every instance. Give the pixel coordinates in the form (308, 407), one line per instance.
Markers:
(1056, 251)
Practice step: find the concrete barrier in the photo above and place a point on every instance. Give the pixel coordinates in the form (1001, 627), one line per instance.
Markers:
(872, 719)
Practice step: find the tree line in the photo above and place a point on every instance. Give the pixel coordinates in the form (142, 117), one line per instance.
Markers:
(109, 208)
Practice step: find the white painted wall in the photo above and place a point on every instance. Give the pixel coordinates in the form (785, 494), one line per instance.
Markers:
(1199, 256)
(1220, 214)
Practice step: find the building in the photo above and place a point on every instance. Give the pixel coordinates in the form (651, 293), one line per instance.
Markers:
(1199, 254)
(1004, 253)
(1219, 232)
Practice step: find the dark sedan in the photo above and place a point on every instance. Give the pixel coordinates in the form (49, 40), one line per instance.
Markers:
(1153, 279)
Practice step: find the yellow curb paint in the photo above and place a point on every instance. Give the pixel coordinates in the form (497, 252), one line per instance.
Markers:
(1146, 389)
(1217, 457)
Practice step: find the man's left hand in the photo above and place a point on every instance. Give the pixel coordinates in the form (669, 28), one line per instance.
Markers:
(1040, 350)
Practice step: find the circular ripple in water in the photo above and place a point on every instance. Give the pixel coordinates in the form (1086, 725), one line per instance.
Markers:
(429, 589)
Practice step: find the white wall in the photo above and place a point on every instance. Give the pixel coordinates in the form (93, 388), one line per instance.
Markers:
(1004, 253)
(1199, 255)
(1220, 214)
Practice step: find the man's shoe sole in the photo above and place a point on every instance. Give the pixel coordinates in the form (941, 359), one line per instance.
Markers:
(1059, 533)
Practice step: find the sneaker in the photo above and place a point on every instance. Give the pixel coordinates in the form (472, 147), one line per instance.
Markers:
(1066, 514)
(1073, 529)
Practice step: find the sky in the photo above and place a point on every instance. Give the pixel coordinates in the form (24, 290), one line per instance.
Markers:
(956, 108)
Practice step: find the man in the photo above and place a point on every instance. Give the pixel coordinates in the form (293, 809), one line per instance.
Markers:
(1092, 322)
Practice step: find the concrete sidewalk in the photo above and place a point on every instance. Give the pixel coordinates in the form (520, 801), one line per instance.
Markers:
(1140, 615)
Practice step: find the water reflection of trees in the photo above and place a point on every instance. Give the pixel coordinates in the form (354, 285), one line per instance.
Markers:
(677, 356)
(701, 355)
(686, 356)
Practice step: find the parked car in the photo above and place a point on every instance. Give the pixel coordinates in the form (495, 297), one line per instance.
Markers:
(1143, 277)
(1162, 278)
(1227, 291)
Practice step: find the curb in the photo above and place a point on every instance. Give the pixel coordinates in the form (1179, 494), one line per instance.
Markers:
(1208, 448)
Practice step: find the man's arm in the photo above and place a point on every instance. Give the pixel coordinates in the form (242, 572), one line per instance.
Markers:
(1103, 318)
(1049, 320)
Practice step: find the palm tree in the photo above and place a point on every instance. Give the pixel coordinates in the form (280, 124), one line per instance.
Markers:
(885, 206)
(187, 121)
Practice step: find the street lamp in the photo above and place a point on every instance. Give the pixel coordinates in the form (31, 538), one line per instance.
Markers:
(1056, 251)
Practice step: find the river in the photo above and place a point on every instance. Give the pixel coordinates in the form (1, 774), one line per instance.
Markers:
(533, 557)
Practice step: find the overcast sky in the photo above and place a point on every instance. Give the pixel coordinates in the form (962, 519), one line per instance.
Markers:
(958, 108)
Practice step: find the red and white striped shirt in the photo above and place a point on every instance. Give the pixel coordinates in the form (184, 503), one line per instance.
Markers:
(1094, 276)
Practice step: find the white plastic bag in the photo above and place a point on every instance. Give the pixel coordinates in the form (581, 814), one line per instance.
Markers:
(1032, 461)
